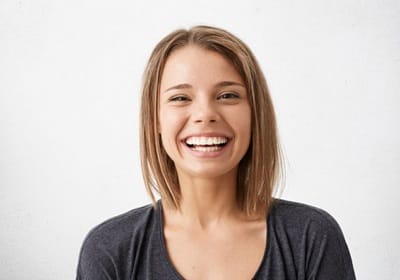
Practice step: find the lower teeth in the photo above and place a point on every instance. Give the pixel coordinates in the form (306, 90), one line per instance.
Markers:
(206, 148)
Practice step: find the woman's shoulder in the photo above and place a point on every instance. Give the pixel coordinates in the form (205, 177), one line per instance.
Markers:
(309, 241)
(298, 220)
(125, 224)
(119, 231)
(290, 212)
(113, 241)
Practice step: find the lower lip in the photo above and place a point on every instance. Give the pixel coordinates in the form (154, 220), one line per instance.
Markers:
(208, 152)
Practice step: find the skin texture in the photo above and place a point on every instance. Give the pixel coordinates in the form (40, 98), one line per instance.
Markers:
(202, 94)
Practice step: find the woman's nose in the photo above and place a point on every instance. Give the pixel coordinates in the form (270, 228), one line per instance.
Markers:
(205, 112)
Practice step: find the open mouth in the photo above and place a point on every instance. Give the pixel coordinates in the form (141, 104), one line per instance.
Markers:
(206, 144)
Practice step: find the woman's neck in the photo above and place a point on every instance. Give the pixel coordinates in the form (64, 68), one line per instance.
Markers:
(206, 202)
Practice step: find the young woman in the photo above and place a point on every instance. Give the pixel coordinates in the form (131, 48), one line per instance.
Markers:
(210, 149)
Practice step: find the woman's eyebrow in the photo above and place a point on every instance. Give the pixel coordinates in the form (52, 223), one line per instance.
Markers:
(228, 83)
(179, 86)
(217, 85)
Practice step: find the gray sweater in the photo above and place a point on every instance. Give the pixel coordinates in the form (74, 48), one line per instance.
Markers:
(303, 242)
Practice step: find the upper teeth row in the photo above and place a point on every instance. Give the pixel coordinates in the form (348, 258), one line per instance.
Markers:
(206, 140)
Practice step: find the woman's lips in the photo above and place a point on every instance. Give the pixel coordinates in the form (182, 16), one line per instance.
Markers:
(206, 146)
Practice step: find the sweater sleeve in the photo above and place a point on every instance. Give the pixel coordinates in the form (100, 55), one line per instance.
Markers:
(95, 262)
(327, 254)
(113, 249)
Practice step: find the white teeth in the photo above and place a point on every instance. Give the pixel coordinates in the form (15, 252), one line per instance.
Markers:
(206, 149)
(206, 140)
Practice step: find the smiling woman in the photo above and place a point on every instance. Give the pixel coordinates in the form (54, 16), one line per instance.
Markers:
(210, 149)
(207, 122)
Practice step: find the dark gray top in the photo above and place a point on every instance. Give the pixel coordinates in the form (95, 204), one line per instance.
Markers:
(303, 242)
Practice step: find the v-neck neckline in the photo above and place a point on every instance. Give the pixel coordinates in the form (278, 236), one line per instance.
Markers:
(168, 260)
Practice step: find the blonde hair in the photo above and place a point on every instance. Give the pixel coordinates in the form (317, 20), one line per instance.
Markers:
(259, 169)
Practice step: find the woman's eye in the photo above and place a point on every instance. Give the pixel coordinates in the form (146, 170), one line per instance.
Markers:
(178, 98)
(228, 95)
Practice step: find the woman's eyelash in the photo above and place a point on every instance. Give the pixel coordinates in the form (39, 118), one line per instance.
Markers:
(178, 98)
(224, 95)
(227, 95)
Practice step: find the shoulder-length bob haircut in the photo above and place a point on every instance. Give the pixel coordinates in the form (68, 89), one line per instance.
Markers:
(259, 169)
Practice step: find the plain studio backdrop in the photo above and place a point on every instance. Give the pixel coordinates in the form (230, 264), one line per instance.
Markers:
(70, 79)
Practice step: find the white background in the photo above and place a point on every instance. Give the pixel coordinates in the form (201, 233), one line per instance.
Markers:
(70, 78)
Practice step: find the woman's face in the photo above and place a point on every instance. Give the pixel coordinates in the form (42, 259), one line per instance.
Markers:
(204, 113)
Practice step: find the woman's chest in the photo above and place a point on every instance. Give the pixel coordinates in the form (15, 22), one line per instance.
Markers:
(235, 256)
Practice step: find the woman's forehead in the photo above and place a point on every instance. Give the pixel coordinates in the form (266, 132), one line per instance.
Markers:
(194, 65)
